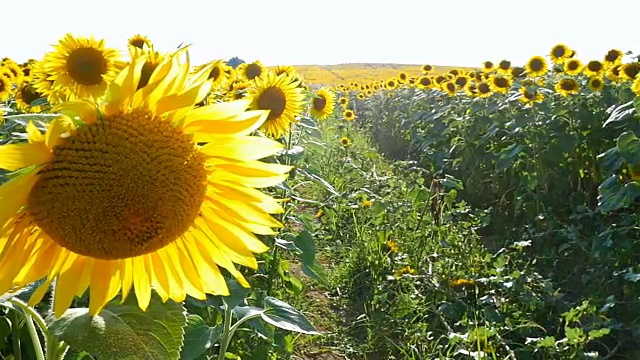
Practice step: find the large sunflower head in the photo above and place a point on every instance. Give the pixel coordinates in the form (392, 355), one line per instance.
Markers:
(529, 96)
(449, 88)
(349, 115)
(282, 97)
(596, 83)
(560, 53)
(504, 67)
(536, 66)
(567, 86)
(141, 191)
(613, 57)
(593, 68)
(488, 66)
(461, 81)
(425, 82)
(81, 67)
(391, 83)
(483, 89)
(572, 66)
(323, 104)
(251, 70)
(500, 84)
(630, 71)
(427, 69)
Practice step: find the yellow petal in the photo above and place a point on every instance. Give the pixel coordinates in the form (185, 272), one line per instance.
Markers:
(61, 126)
(142, 281)
(13, 195)
(35, 136)
(83, 109)
(243, 148)
(18, 156)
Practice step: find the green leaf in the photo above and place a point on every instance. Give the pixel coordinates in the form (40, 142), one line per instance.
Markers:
(316, 272)
(613, 196)
(507, 156)
(237, 293)
(595, 334)
(629, 147)
(124, 331)
(198, 337)
(282, 315)
(304, 241)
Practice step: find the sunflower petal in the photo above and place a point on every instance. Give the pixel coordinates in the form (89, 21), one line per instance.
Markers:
(18, 156)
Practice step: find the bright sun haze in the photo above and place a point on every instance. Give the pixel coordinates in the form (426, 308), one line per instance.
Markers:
(456, 33)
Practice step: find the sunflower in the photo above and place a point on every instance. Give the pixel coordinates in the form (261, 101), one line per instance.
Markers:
(217, 74)
(5, 88)
(630, 71)
(504, 67)
(152, 60)
(483, 89)
(81, 67)
(251, 70)
(240, 89)
(517, 72)
(461, 81)
(43, 84)
(488, 66)
(573, 66)
(449, 88)
(567, 86)
(596, 83)
(402, 77)
(427, 69)
(25, 95)
(281, 96)
(343, 101)
(170, 223)
(613, 73)
(593, 68)
(560, 53)
(360, 96)
(345, 141)
(293, 74)
(349, 115)
(529, 96)
(536, 66)
(500, 84)
(471, 89)
(455, 72)
(17, 76)
(425, 82)
(139, 41)
(440, 79)
(613, 57)
(323, 104)
(391, 84)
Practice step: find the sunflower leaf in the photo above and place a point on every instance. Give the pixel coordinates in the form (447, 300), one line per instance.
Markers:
(123, 330)
(282, 315)
(198, 337)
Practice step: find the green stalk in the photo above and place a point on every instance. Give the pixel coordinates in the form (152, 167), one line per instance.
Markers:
(226, 332)
(15, 335)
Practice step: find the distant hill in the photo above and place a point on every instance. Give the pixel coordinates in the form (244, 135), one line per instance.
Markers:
(360, 72)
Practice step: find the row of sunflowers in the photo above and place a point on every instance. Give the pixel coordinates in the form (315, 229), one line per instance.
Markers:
(82, 68)
(567, 74)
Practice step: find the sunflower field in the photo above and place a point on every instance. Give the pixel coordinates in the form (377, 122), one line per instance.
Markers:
(153, 209)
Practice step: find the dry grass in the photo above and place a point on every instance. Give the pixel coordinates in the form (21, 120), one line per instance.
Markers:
(359, 72)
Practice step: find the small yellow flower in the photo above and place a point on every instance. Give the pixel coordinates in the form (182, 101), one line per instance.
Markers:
(319, 214)
(367, 203)
(462, 282)
(391, 246)
(345, 141)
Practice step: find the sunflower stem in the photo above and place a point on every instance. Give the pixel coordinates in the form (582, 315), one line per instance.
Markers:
(32, 317)
(226, 332)
(15, 335)
(35, 339)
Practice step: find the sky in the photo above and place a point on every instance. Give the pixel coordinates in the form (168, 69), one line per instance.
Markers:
(288, 32)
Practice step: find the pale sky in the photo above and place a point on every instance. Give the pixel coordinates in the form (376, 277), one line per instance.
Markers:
(438, 32)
